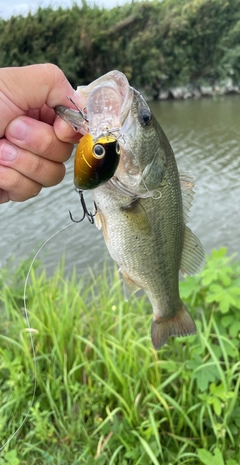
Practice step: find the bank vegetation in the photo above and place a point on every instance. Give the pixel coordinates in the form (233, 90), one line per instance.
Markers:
(160, 46)
(94, 391)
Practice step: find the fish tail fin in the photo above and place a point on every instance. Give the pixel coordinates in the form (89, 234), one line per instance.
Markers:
(178, 324)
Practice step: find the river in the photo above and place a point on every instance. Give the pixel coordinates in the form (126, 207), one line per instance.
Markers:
(205, 136)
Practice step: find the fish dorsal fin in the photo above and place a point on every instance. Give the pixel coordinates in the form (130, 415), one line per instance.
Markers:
(193, 255)
(187, 185)
(129, 286)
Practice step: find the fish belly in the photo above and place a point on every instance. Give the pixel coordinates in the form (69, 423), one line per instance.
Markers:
(145, 239)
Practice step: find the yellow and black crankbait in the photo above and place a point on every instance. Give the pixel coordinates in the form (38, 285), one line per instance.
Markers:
(95, 161)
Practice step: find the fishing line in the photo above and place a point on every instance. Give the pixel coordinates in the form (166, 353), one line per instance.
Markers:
(31, 331)
(155, 194)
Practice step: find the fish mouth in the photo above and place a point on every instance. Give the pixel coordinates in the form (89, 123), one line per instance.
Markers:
(108, 101)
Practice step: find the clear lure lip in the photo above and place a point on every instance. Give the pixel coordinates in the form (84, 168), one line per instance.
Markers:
(75, 118)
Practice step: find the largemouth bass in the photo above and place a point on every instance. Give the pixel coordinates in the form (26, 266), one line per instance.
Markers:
(143, 209)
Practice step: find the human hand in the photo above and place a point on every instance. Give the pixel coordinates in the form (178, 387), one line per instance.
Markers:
(33, 142)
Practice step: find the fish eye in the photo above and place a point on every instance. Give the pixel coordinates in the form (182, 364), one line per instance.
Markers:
(117, 148)
(99, 151)
(145, 117)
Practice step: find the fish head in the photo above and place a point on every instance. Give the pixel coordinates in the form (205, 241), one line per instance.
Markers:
(144, 149)
(114, 107)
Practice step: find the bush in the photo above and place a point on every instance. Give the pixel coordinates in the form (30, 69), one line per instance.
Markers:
(156, 44)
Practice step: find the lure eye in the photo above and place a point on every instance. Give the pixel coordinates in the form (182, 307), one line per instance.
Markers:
(98, 151)
(145, 117)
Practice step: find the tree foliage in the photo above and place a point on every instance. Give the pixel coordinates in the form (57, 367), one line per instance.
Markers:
(156, 44)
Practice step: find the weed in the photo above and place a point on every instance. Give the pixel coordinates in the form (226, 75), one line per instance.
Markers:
(103, 394)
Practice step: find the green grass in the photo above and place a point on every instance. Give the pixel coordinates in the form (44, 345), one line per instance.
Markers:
(103, 395)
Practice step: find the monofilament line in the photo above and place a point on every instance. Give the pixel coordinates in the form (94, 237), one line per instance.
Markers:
(31, 331)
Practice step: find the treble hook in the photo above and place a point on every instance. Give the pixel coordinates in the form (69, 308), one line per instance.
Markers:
(89, 215)
(84, 116)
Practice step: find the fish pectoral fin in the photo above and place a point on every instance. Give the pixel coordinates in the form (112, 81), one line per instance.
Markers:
(101, 223)
(187, 185)
(193, 256)
(136, 213)
(98, 220)
(129, 286)
(178, 324)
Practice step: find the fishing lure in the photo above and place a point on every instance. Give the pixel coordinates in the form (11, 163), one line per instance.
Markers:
(95, 161)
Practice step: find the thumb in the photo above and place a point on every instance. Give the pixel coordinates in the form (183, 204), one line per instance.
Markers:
(30, 87)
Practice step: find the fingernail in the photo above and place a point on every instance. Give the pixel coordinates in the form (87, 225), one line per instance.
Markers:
(18, 129)
(8, 152)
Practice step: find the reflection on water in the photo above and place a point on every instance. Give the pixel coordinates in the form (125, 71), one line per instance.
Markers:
(205, 137)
